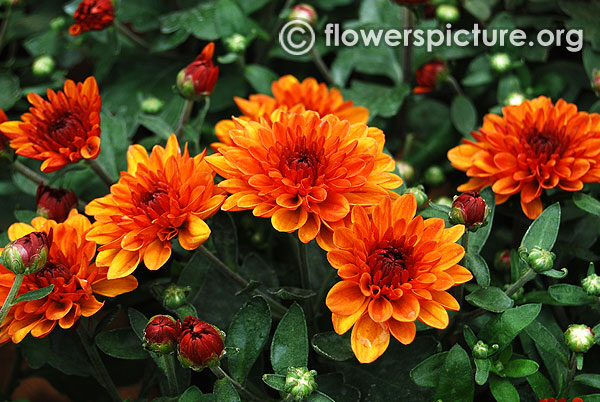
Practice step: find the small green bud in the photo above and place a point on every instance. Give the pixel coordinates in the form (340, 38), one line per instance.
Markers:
(434, 176)
(514, 99)
(58, 23)
(591, 284)
(419, 193)
(500, 62)
(447, 13)
(152, 105)
(236, 43)
(43, 65)
(579, 338)
(482, 351)
(540, 260)
(175, 296)
(300, 382)
(405, 170)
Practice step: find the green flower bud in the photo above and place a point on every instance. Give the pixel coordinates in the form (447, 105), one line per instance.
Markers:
(26, 255)
(419, 193)
(236, 43)
(514, 99)
(58, 23)
(481, 350)
(579, 338)
(405, 170)
(43, 65)
(591, 284)
(174, 296)
(152, 105)
(500, 62)
(540, 260)
(300, 382)
(434, 176)
(447, 13)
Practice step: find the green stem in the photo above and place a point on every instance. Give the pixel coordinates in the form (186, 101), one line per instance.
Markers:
(572, 366)
(321, 66)
(28, 173)
(246, 395)
(9, 302)
(465, 241)
(200, 122)
(130, 35)
(276, 307)
(184, 117)
(169, 361)
(4, 27)
(100, 171)
(454, 85)
(101, 374)
(529, 275)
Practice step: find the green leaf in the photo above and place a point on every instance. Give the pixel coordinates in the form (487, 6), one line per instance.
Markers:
(463, 114)
(332, 345)
(318, 396)
(225, 239)
(478, 239)
(379, 99)
(479, 268)
(24, 215)
(520, 368)
(552, 352)
(260, 78)
(587, 203)
(591, 380)
(544, 230)
(35, 294)
(540, 385)
(492, 299)
(229, 18)
(482, 370)
(570, 295)
(138, 322)
(156, 125)
(503, 390)
(427, 373)
(10, 90)
(469, 336)
(194, 274)
(192, 394)
(224, 391)
(290, 341)
(275, 381)
(292, 293)
(456, 379)
(121, 343)
(248, 333)
(478, 9)
(114, 143)
(505, 327)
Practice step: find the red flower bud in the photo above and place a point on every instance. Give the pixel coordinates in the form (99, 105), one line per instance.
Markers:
(199, 78)
(470, 210)
(27, 254)
(92, 15)
(161, 334)
(200, 344)
(303, 12)
(54, 203)
(429, 75)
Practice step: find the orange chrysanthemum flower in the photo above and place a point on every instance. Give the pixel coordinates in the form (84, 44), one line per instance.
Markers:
(159, 197)
(535, 145)
(304, 172)
(62, 130)
(77, 281)
(294, 96)
(396, 268)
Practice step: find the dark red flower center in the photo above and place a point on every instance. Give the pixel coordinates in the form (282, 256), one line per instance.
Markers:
(388, 266)
(65, 129)
(53, 273)
(543, 144)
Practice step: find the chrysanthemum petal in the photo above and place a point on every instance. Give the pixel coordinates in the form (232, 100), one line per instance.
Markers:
(193, 233)
(433, 314)
(344, 298)
(403, 331)
(286, 220)
(369, 339)
(156, 254)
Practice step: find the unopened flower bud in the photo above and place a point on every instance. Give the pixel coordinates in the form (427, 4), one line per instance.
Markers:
(500, 62)
(419, 193)
(481, 350)
(200, 344)
(300, 382)
(236, 43)
(58, 23)
(43, 65)
(596, 81)
(161, 334)
(469, 209)
(54, 203)
(26, 255)
(199, 78)
(303, 12)
(447, 13)
(405, 170)
(591, 284)
(152, 105)
(430, 75)
(579, 338)
(540, 260)
(514, 99)
(502, 260)
(174, 296)
(434, 176)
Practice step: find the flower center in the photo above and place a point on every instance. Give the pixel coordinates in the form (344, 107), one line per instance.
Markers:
(301, 166)
(155, 202)
(52, 272)
(65, 129)
(388, 267)
(543, 144)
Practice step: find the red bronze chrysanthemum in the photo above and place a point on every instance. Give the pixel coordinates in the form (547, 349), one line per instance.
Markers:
(54, 203)
(304, 172)
(535, 145)
(92, 15)
(160, 197)
(395, 268)
(429, 76)
(294, 96)
(62, 130)
(69, 268)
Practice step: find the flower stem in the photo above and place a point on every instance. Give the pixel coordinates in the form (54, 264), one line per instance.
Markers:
(277, 307)
(184, 117)
(100, 171)
(246, 395)
(4, 27)
(101, 374)
(169, 361)
(454, 85)
(529, 275)
(200, 122)
(9, 302)
(572, 366)
(28, 173)
(130, 35)
(321, 66)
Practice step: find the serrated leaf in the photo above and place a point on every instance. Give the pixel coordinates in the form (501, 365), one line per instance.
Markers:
(544, 230)
(35, 294)
(332, 346)
(290, 341)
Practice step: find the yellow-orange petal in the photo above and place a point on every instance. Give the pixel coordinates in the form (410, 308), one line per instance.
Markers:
(114, 287)
(193, 233)
(369, 339)
(90, 306)
(344, 298)
(18, 230)
(123, 263)
(406, 308)
(433, 314)
(286, 220)
(156, 254)
(404, 332)
(380, 309)
(342, 323)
